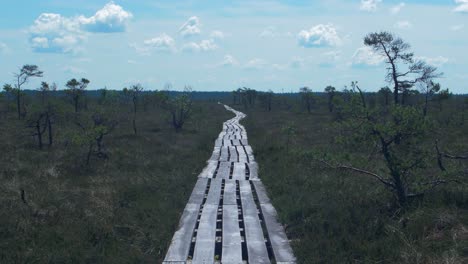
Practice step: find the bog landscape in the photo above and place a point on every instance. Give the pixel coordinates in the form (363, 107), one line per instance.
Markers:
(236, 140)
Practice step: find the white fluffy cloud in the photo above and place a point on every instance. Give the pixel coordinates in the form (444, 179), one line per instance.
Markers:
(163, 42)
(56, 33)
(366, 56)
(202, 46)
(369, 5)
(462, 6)
(435, 61)
(319, 36)
(396, 9)
(111, 18)
(191, 27)
(403, 24)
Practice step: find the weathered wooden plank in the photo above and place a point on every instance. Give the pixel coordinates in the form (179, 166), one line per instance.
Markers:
(224, 170)
(242, 155)
(256, 246)
(233, 151)
(235, 142)
(206, 234)
(198, 192)
(230, 193)
(216, 153)
(214, 193)
(224, 153)
(239, 171)
(261, 192)
(279, 242)
(253, 167)
(180, 244)
(249, 151)
(232, 250)
(209, 170)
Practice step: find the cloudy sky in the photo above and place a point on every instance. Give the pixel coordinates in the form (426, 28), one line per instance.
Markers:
(221, 45)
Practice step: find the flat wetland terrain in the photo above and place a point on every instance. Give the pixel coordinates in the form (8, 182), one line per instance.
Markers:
(113, 184)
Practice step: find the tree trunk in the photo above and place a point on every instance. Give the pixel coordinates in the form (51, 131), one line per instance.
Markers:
(399, 185)
(400, 189)
(99, 143)
(134, 114)
(49, 126)
(39, 133)
(90, 151)
(18, 102)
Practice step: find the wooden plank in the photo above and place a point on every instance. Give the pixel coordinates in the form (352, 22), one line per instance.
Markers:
(209, 170)
(230, 195)
(239, 171)
(242, 156)
(253, 167)
(233, 152)
(256, 246)
(198, 192)
(249, 151)
(180, 244)
(214, 193)
(261, 192)
(224, 170)
(206, 234)
(216, 153)
(279, 242)
(232, 250)
(224, 154)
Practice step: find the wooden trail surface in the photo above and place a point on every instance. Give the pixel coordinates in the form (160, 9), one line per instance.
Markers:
(229, 218)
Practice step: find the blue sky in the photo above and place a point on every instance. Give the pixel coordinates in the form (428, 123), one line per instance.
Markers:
(221, 45)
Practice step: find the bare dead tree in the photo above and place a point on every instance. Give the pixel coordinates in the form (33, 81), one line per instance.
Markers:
(134, 93)
(180, 108)
(93, 135)
(39, 125)
(21, 78)
(331, 91)
(307, 98)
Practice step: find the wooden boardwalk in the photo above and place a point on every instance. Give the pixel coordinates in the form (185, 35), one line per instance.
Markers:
(229, 218)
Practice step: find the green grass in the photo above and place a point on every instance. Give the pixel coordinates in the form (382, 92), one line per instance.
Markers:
(123, 209)
(341, 217)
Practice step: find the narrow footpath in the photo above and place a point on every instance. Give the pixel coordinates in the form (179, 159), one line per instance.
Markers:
(229, 218)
